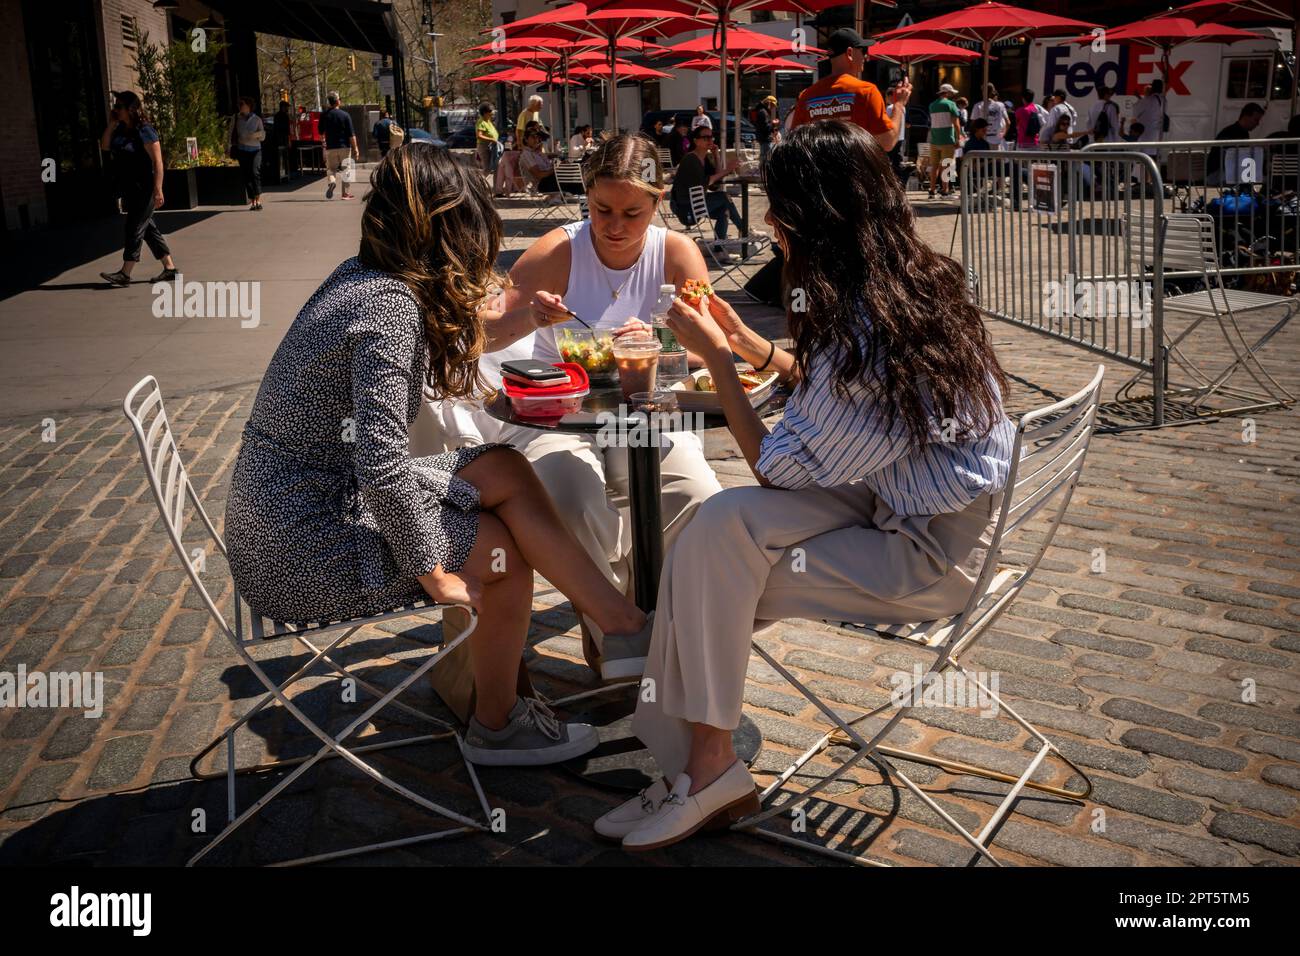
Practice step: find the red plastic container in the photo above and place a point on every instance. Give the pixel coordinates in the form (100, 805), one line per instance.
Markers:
(550, 401)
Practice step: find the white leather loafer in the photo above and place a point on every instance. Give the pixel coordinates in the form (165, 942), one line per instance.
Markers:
(723, 802)
(627, 816)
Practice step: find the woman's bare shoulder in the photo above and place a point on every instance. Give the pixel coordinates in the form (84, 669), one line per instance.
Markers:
(545, 264)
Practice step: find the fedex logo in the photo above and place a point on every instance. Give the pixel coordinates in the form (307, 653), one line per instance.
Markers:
(1068, 68)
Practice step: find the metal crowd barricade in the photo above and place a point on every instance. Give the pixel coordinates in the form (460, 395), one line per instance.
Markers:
(1048, 243)
(1248, 187)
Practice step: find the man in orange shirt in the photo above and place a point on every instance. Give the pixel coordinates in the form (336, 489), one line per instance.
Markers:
(844, 96)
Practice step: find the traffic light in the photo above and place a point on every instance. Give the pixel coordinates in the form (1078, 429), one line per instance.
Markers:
(352, 62)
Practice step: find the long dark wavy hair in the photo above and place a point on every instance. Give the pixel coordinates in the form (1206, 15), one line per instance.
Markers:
(853, 257)
(432, 224)
(129, 102)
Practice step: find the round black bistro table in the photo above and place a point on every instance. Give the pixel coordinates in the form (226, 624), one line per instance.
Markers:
(621, 762)
(605, 409)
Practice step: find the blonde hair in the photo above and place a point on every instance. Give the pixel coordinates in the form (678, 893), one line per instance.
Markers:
(627, 158)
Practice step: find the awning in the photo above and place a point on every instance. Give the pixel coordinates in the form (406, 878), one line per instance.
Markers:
(368, 25)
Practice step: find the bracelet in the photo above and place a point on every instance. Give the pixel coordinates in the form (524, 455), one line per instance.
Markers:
(770, 353)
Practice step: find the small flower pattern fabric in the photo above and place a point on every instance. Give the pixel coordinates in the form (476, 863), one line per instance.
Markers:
(328, 515)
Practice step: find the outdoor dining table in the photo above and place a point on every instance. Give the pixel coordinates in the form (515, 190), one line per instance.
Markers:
(744, 180)
(621, 762)
(600, 411)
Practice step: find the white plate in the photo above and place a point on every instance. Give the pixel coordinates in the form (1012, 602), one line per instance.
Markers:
(689, 400)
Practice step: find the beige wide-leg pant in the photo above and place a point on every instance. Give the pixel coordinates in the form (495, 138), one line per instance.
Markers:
(754, 555)
(576, 472)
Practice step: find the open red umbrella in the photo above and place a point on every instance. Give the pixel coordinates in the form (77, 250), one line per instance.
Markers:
(722, 13)
(905, 51)
(624, 18)
(747, 64)
(521, 75)
(623, 69)
(1167, 33)
(1250, 11)
(986, 24)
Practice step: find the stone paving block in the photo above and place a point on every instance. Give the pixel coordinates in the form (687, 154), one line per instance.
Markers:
(1145, 802)
(1253, 717)
(1141, 835)
(1152, 742)
(1243, 828)
(1230, 792)
(1136, 712)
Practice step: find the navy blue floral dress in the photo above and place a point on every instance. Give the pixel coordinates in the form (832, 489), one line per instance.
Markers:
(328, 516)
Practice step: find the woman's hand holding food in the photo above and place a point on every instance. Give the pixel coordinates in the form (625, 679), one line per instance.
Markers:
(699, 333)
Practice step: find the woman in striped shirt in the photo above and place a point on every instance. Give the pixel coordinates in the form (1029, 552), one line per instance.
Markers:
(876, 490)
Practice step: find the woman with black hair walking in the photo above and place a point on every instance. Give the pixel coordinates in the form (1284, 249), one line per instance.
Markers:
(138, 171)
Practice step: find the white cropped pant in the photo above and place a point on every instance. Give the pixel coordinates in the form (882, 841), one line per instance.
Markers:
(753, 555)
(576, 472)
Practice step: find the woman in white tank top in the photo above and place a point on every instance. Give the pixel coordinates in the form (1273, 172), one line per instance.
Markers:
(608, 270)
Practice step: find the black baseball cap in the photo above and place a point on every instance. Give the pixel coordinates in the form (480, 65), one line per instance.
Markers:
(845, 39)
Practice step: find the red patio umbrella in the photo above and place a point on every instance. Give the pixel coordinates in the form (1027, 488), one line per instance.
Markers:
(521, 75)
(626, 70)
(1251, 11)
(723, 12)
(1167, 33)
(747, 64)
(986, 24)
(740, 42)
(905, 51)
(625, 18)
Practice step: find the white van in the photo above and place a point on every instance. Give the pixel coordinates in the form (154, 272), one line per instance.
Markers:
(1208, 84)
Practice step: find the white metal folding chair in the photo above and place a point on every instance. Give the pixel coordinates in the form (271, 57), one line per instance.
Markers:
(169, 480)
(1191, 245)
(1047, 458)
(700, 213)
(573, 204)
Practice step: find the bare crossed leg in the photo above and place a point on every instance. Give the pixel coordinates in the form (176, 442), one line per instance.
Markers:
(519, 530)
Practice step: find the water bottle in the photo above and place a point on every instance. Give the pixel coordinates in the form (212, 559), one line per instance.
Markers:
(672, 360)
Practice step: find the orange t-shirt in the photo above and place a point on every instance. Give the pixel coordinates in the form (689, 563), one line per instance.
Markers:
(843, 97)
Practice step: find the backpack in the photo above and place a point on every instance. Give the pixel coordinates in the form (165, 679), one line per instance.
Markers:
(1103, 124)
(1034, 125)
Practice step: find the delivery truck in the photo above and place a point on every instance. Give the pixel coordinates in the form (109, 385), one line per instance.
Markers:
(1207, 85)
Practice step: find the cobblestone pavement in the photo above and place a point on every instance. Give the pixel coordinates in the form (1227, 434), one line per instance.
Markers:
(1172, 676)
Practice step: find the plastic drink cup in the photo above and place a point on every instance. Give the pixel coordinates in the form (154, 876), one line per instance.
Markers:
(637, 360)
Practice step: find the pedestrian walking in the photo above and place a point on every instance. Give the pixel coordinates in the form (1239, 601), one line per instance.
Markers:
(340, 144)
(246, 135)
(137, 165)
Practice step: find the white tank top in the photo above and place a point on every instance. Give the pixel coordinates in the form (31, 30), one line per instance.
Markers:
(590, 293)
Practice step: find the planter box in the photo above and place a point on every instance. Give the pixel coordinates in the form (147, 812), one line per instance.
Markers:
(180, 189)
(220, 185)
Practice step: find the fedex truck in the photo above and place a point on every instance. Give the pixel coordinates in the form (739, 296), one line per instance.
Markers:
(1208, 83)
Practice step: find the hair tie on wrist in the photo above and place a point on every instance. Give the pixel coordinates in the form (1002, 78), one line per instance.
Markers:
(771, 352)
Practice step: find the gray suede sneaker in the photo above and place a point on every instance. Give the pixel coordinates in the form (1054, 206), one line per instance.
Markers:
(623, 655)
(533, 737)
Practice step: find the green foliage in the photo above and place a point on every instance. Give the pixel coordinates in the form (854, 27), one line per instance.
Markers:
(177, 84)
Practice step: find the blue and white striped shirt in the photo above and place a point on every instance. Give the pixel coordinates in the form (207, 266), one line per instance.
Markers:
(826, 440)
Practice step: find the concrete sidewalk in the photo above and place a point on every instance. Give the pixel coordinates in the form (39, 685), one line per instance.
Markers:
(72, 343)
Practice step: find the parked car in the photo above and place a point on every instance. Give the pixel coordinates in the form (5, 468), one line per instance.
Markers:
(746, 127)
(462, 138)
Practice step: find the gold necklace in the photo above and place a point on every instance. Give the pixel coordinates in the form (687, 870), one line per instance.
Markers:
(615, 293)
